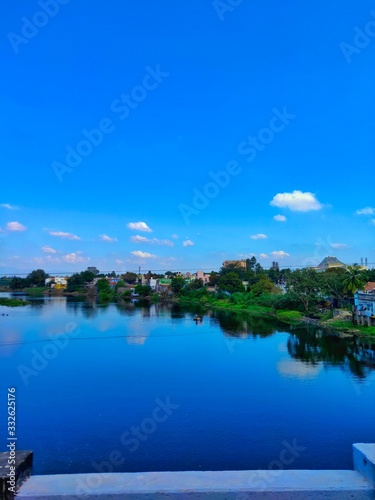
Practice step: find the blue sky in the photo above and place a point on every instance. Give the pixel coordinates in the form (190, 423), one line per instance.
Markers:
(201, 120)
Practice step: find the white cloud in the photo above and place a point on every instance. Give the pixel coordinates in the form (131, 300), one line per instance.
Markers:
(62, 234)
(8, 206)
(297, 201)
(339, 245)
(280, 218)
(153, 241)
(48, 249)
(143, 255)
(15, 226)
(259, 236)
(280, 254)
(118, 261)
(263, 256)
(366, 211)
(73, 258)
(188, 243)
(139, 226)
(105, 237)
(175, 236)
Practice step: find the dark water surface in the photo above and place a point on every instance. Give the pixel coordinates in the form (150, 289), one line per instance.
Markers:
(146, 388)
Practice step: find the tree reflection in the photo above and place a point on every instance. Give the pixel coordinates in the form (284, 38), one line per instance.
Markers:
(243, 325)
(314, 346)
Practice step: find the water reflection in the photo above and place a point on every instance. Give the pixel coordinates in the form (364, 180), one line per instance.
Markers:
(313, 346)
(242, 325)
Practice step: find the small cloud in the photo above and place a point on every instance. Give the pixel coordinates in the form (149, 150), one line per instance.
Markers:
(15, 226)
(188, 243)
(73, 258)
(339, 245)
(62, 234)
(259, 236)
(263, 256)
(48, 249)
(143, 255)
(280, 218)
(118, 261)
(280, 254)
(373, 222)
(366, 211)
(175, 236)
(8, 206)
(104, 237)
(139, 239)
(153, 241)
(297, 201)
(139, 226)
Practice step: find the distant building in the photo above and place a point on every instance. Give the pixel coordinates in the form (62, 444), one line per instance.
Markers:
(364, 305)
(153, 283)
(58, 282)
(369, 287)
(205, 277)
(241, 264)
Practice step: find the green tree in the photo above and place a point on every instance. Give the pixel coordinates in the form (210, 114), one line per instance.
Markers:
(214, 278)
(240, 271)
(250, 264)
(119, 284)
(354, 279)
(17, 283)
(304, 285)
(264, 285)
(130, 278)
(93, 270)
(195, 284)
(177, 284)
(36, 278)
(143, 290)
(231, 283)
(332, 283)
(104, 289)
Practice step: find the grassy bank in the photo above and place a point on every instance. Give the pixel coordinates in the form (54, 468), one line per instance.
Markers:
(254, 310)
(13, 302)
(289, 316)
(346, 326)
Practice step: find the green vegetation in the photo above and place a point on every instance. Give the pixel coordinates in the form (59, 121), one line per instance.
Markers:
(34, 279)
(292, 317)
(347, 326)
(12, 302)
(106, 294)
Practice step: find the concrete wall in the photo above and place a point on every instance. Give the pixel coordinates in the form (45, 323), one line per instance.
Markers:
(358, 484)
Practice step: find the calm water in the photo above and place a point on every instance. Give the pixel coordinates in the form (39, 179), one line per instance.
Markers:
(93, 383)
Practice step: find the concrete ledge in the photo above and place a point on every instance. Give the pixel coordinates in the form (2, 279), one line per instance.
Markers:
(364, 460)
(213, 485)
(226, 485)
(15, 467)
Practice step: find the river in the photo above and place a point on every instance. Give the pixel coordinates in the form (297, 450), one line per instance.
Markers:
(147, 388)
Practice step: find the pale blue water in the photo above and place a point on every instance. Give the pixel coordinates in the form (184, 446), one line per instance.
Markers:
(238, 389)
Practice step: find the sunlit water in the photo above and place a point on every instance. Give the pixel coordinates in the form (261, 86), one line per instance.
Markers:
(148, 388)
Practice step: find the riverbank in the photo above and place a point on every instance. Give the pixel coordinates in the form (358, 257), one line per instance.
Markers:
(340, 324)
